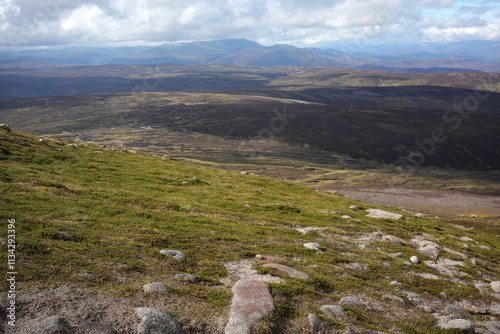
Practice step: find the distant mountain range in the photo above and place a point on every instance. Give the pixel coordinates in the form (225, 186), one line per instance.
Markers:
(423, 57)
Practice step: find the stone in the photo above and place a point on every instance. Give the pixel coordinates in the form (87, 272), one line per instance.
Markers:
(155, 322)
(354, 207)
(466, 239)
(246, 205)
(456, 310)
(393, 239)
(357, 266)
(155, 287)
(75, 146)
(312, 245)
(449, 250)
(420, 215)
(478, 310)
(251, 302)
(461, 324)
(495, 286)
(322, 211)
(346, 217)
(400, 300)
(178, 255)
(415, 259)
(444, 295)
(395, 283)
(430, 251)
(376, 213)
(5, 127)
(46, 140)
(351, 301)
(92, 327)
(293, 273)
(484, 247)
(186, 278)
(314, 322)
(493, 326)
(350, 331)
(334, 311)
(414, 298)
(53, 325)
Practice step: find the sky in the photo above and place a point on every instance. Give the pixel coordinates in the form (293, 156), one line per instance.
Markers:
(55, 23)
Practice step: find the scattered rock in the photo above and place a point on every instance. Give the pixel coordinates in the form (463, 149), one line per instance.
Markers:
(430, 251)
(155, 287)
(466, 239)
(420, 215)
(322, 211)
(154, 321)
(350, 331)
(346, 217)
(251, 302)
(186, 278)
(454, 252)
(444, 295)
(484, 247)
(478, 310)
(415, 259)
(386, 264)
(237, 270)
(74, 146)
(495, 286)
(246, 205)
(312, 245)
(334, 311)
(352, 301)
(456, 310)
(462, 324)
(357, 266)
(314, 322)
(473, 216)
(400, 300)
(178, 255)
(53, 325)
(354, 207)
(5, 127)
(46, 140)
(493, 326)
(395, 283)
(305, 230)
(393, 239)
(376, 213)
(415, 298)
(92, 327)
(288, 271)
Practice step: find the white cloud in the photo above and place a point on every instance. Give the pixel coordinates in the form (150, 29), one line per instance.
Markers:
(39, 22)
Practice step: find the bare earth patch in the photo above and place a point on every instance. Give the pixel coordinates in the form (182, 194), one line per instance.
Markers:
(439, 201)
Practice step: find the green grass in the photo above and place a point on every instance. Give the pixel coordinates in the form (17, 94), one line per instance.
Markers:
(122, 208)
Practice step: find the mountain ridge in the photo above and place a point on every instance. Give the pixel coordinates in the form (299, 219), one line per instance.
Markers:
(245, 52)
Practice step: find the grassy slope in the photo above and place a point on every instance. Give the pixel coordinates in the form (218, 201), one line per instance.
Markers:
(124, 207)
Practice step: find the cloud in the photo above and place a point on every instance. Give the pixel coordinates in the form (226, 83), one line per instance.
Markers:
(62, 22)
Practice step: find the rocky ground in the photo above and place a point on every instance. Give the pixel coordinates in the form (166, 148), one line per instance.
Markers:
(71, 310)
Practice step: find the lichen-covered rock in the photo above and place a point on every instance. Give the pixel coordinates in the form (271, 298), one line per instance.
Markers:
(251, 302)
(178, 255)
(155, 287)
(156, 322)
(334, 312)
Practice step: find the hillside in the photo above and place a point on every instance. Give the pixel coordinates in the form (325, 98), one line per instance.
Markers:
(90, 222)
(380, 134)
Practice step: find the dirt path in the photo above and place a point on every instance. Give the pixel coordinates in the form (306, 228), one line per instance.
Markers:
(439, 201)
